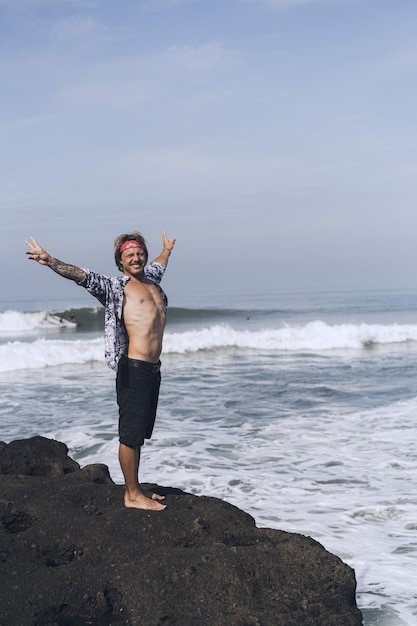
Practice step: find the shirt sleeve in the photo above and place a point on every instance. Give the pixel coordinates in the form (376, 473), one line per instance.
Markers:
(96, 284)
(155, 271)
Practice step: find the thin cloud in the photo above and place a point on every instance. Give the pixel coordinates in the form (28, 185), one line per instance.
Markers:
(108, 94)
(160, 6)
(130, 82)
(19, 5)
(79, 28)
(404, 60)
(282, 5)
(208, 57)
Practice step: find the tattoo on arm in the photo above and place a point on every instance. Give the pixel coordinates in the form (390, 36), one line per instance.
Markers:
(72, 272)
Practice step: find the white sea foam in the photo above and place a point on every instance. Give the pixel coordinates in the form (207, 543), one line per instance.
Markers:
(315, 335)
(18, 355)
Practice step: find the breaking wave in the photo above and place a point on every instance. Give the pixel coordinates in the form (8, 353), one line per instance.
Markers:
(314, 336)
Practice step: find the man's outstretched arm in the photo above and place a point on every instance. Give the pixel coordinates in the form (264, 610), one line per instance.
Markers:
(167, 244)
(38, 254)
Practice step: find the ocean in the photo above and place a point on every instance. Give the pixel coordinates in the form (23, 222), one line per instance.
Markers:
(299, 408)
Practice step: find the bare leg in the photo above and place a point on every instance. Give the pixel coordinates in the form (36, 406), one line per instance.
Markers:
(135, 498)
(147, 492)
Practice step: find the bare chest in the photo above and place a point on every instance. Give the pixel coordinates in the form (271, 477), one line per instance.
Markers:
(141, 300)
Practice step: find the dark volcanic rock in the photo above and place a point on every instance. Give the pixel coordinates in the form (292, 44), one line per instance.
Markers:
(36, 457)
(72, 555)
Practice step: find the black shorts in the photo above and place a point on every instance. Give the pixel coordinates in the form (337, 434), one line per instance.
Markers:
(137, 389)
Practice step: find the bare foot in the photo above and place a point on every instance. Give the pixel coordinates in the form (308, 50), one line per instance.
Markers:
(140, 501)
(152, 495)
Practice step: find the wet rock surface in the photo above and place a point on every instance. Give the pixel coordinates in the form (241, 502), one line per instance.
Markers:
(72, 555)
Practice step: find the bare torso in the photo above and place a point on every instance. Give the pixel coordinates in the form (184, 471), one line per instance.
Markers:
(145, 319)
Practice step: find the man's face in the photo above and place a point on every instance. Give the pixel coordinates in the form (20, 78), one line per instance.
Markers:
(133, 261)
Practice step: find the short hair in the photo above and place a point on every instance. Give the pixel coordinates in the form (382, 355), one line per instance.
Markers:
(135, 236)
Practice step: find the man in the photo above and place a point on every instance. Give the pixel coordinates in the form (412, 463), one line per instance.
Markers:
(135, 317)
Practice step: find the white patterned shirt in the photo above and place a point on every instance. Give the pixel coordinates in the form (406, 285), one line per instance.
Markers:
(109, 292)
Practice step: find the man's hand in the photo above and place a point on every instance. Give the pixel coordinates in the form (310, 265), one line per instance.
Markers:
(168, 244)
(36, 253)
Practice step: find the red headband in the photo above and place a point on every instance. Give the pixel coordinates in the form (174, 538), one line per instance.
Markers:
(132, 243)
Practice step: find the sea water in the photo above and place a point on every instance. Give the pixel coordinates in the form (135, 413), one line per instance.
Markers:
(298, 408)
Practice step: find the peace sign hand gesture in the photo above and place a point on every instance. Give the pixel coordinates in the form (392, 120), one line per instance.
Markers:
(36, 253)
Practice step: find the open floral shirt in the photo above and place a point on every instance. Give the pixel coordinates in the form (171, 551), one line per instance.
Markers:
(109, 292)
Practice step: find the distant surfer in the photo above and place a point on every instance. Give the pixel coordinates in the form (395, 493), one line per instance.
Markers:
(135, 318)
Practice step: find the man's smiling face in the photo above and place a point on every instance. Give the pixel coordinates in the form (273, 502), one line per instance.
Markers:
(133, 261)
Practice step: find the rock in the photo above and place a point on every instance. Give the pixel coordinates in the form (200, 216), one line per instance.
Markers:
(36, 457)
(72, 555)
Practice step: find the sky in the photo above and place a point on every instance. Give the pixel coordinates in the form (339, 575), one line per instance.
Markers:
(274, 139)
